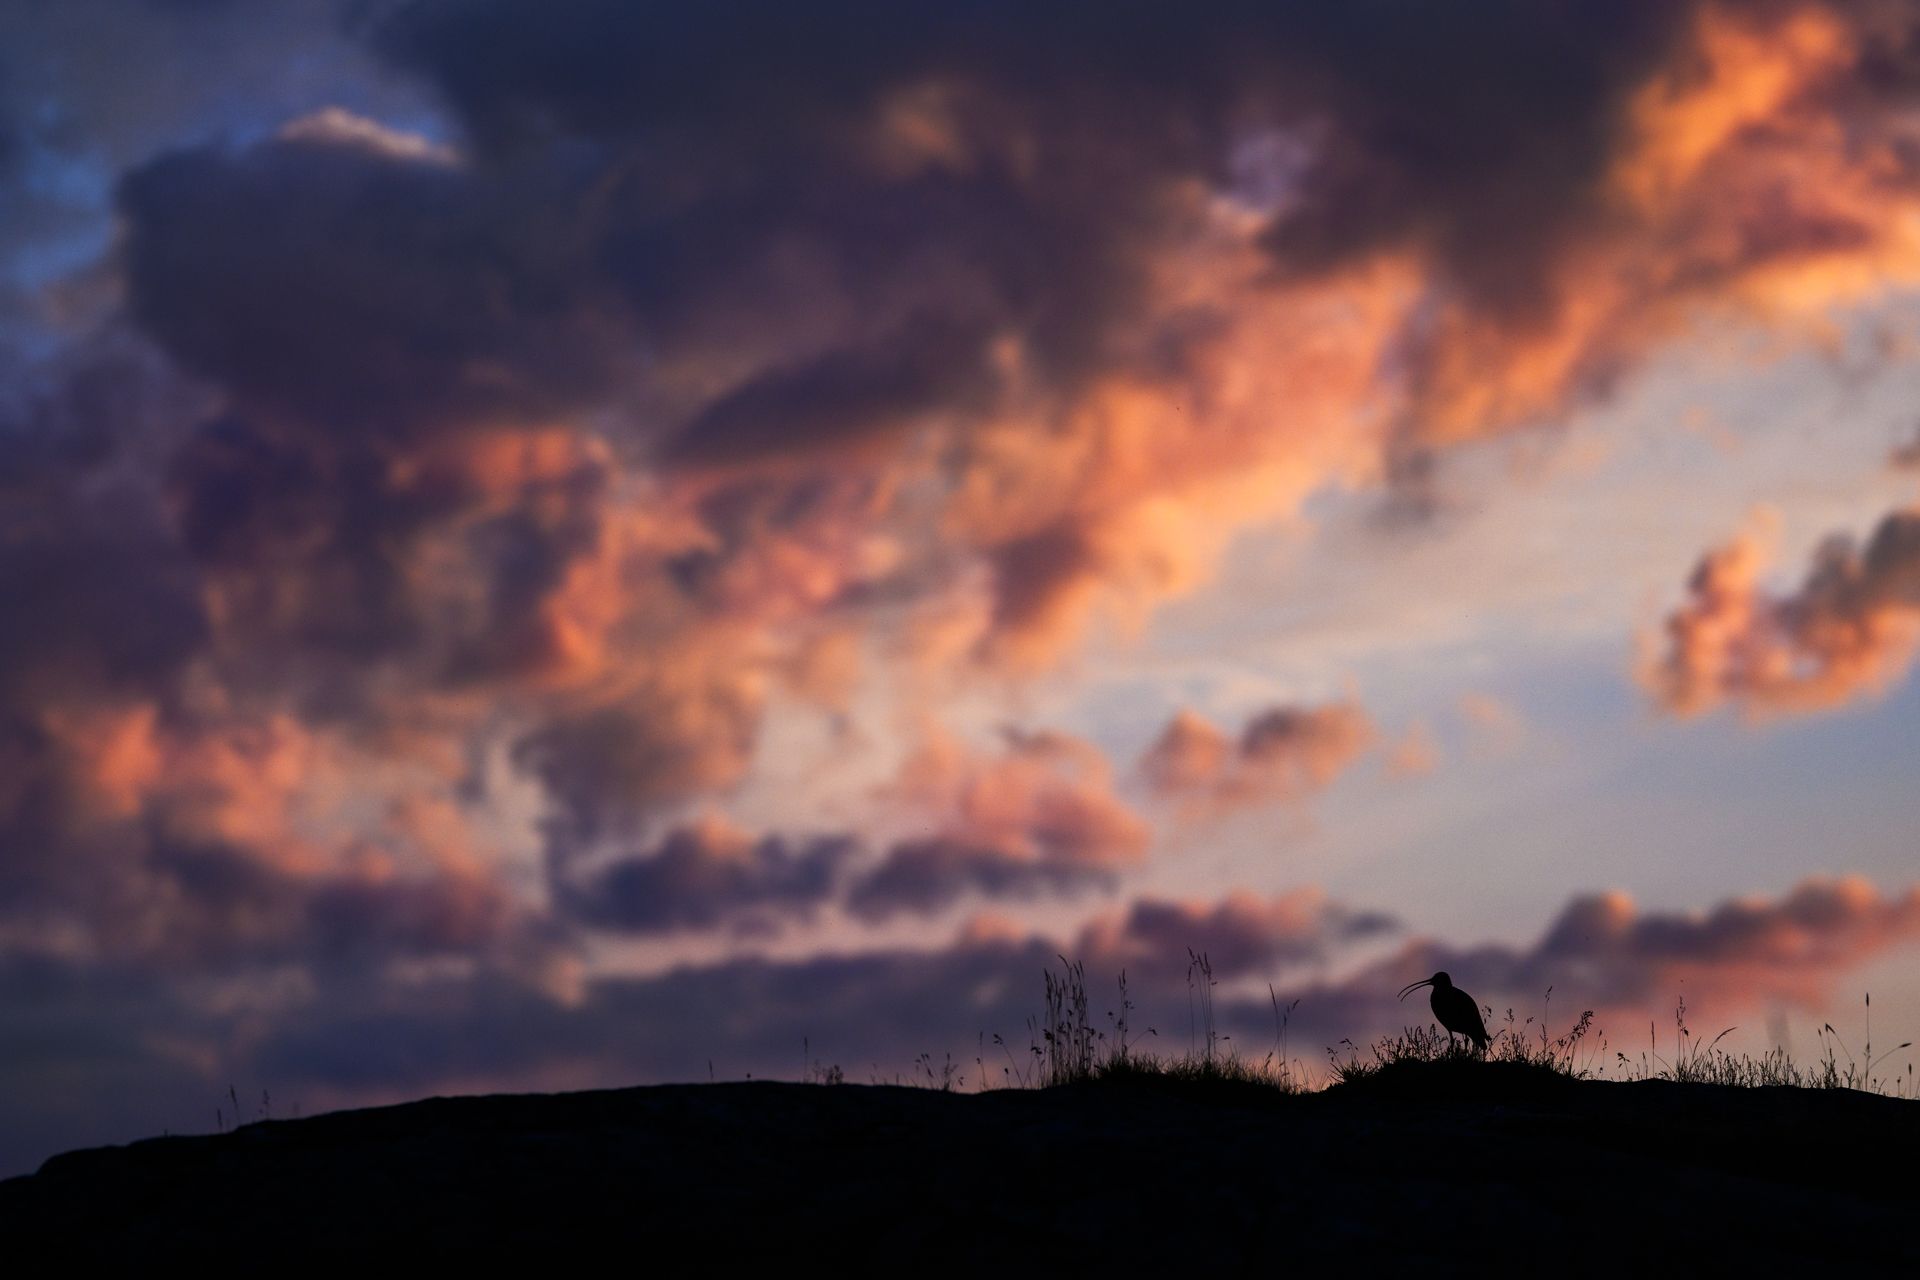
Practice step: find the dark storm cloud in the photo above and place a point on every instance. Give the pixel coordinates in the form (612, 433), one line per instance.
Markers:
(377, 920)
(709, 874)
(608, 767)
(160, 1060)
(229, 906)
(779, 238)
(874, 1013)
(254, 502)
(93, 87)
(1477, 131)
(750, 234)
(386, 323)
(758, 134)
(372, 289)
(841, 397)
(1481, 132)
(184, 906)
(877, 1010)
(315, 543)
(746, 1015)
(927, 876)
(99, 604)
(140, 816)
(886, 1008)
(376, 308)
(368, 292)
(801, 198)
(603, 68)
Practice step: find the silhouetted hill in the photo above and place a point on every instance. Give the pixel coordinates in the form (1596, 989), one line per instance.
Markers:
(1450, 1170)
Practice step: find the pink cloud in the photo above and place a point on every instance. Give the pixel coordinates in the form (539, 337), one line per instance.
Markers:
(1851, 630)
(1283, 753)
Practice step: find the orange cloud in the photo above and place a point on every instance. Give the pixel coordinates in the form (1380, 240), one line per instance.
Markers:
(1850, 631)
(438, 499)
(1284, 753)
(1040, 816)
(1742, 950)
(1749, 177)
(580, 451)
(207, 842)
(1745, 177)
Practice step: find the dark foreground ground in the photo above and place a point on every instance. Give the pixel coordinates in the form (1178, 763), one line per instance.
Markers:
(1457, 1170)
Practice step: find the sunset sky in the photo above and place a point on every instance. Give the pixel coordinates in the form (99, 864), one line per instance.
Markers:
(587, 543)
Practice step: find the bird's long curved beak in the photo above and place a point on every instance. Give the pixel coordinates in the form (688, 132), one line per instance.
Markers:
(1415, 986)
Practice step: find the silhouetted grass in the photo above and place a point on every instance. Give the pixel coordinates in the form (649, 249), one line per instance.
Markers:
(1693, 1062)
(1223, 1069)
(1066, 1048)
(1580, 1054)
(1520, 1047)
(232, 1117)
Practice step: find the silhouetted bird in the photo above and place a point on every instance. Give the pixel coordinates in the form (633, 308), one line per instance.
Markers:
(1458, 1012)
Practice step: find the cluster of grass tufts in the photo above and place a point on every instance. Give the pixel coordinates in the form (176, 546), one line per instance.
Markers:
(1066, 1047)
(1521, 1044)
(1580, 1054)
(227, 1120)
(1696, 1062)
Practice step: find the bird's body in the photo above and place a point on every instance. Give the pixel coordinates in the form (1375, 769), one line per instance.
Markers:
(1457, 1011)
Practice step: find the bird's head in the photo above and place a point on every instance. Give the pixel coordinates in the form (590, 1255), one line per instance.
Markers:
(1439, 981)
